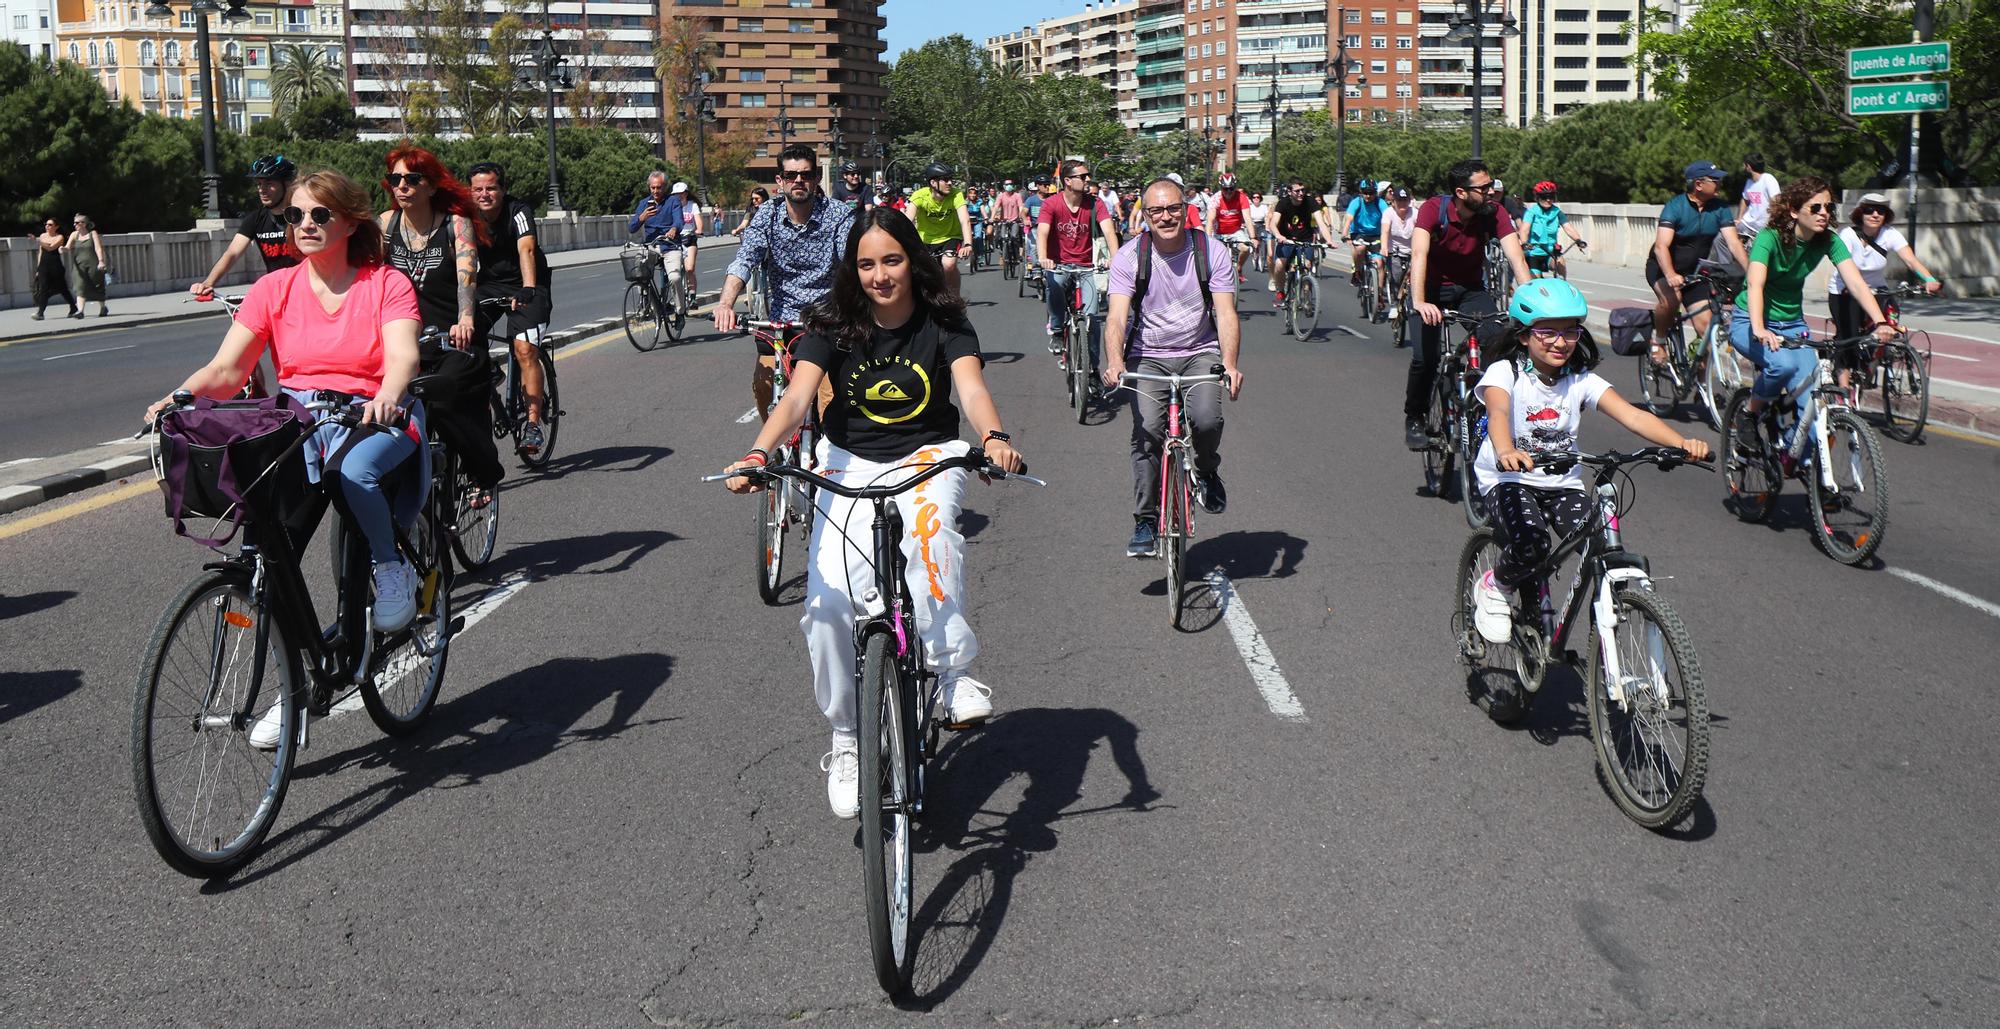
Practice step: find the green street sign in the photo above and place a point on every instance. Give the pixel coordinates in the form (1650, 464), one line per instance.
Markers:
(1900, 61)
(1898, 97)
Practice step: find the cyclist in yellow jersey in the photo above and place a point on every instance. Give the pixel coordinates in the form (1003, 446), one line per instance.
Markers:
(943, 222)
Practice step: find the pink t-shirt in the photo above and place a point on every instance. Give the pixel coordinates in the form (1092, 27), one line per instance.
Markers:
(312, 349)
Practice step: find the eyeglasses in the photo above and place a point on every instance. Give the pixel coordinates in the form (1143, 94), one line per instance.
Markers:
(1478, 187)
(1570, 335)
(1085, 176)
(795, 176)
(1872, 211)
(1822, 208)
(1176, 211)
(320, 216)
(404, 179)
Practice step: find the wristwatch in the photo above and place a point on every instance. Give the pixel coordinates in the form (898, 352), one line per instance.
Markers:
(997, 434)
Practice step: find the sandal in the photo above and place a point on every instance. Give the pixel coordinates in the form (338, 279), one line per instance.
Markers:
(478, 499)
(1657, 354)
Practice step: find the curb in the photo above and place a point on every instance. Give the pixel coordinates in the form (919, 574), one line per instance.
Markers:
(174, 316)
(62, 484)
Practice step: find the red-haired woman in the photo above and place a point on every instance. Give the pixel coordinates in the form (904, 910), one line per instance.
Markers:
(433, 235)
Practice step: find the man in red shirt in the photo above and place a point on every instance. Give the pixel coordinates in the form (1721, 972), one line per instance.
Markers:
(1064, 236)
(1229, 220)
(1447, 264)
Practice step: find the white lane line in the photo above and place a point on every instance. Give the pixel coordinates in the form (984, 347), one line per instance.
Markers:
(1350, 330)
(487, 603)
(1949, 591)
(1263, 665)
(1954, 357)
(747, 417)
(18, 460)
(87, 353)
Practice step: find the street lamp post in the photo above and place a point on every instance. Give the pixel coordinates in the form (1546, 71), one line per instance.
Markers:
(1336, 80)
(1271, 115)
(874, 151)
(784, 126)
(701, 110)
(549, 64)
(211, 200)
(1470, 24)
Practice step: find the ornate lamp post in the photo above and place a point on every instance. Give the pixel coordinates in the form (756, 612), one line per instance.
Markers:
(1271, 116)
(1469, 24)
(700, 108)
(1336, 80)
(549, 67)
(211, 200)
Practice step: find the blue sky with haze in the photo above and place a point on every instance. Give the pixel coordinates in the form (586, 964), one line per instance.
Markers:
(912, 23)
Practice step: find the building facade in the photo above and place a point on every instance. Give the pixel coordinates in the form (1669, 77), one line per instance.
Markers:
(1571, 53)
(1021, 50)
(1160, 55)
(30, 25)
(1099, 44)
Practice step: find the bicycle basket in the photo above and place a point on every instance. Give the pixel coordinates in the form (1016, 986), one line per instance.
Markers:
(639, 264)
(217, 458)
(1631, 331)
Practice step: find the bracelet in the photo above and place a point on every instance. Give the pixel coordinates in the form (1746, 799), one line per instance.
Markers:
(758, 456)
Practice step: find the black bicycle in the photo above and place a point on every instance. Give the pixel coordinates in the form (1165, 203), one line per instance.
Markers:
(1648, 707)
(510, 399)
(239, 655)
(1456, 418)
(652, 318)
(898, 700)
(1010, 250)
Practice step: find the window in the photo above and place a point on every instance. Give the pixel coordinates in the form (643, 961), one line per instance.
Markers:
(149, 84)
(804, 51)
(187, 19)
(799, 3)
(1207, 74)
(146, 57)
(75, 54)
(175, 90)
(263, 18)
(1612, 85)
(1402, 91)
(1572, 39)
(1612, 15)
(1352, 42)
(1378, 67)
(1611, 39)
(1405, 18)
(1353, 91)
(751, 75)
(1207, 50)
(1402, 67)
(1572, 62)
(1354, 17)
(1611, 62)
(173, 52)
(93, 55)
(1353, 114)
(1221, 73)
(753, 100)
(801, 25)
(1221, 95)
(1379, 92)
(297, 19)
(1572, 15)
(805, 101)
(1571, 86)
(1206, 4)
(1190, 6)
(1378, 17)
(802, 75)
(1379, 42)
(749, 24)
(1222, 49)
(21, 21)
(1402, 42)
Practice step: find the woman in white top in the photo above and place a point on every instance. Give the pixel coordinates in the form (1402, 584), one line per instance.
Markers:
(1871, 239)
(1259, 211)
(1399, 224)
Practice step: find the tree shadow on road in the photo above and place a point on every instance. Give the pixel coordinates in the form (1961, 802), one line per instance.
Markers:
(958, 922)
(497, 728)
(24, 692)
(546, 559)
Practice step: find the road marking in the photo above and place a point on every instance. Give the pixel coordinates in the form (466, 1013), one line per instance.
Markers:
(1949, 591)
(1954, 357)
(23, 460)
(87, 353)
(1263, 665)
(1350, 331)
(487, 603)
(743, 419)
(33, 522)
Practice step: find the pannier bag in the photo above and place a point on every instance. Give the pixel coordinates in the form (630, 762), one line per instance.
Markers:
(1631, 331)
(639, 264)
(214, 459)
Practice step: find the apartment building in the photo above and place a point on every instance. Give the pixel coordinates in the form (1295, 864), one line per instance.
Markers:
(1444, 66)
(1100, 43)
(1573, 52)
(1021, 50)
(1383, 73)
(1159, 52)
(154, 64)
(30, 25)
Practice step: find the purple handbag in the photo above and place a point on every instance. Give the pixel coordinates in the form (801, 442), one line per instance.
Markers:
(219, 457)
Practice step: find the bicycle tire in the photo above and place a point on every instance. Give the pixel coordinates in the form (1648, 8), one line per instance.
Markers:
(1468, 454)
(642, 324)
(1493, 675)
(1449, 426)
(1305, 308)
(1851, 447)
(886, 860)
(1174, 528)
(771, 517)
(475, 532)
(1656, 385)
(1079, 367)
(1906, 393)
(205, 848)
(551, 413)
(1749, 468)
(1652, 787)
(673, 309)
(418, 665)
(1365, 296)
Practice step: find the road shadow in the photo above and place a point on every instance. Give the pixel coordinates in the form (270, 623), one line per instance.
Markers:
(497, 728)
(607, 459)
(1051, 748)
(972, 523)
(1791, 514)
(1000, 357)
(25, 692)
(546, 559)
(29, 603)
(1249, 555)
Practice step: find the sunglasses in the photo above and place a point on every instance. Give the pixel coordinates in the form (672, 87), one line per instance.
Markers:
(320, 216)
(795, 176)
(1175, 211)
(1085, 176)
(1570, 335)
(1879, 212)
(1822, 208)
(1483, 187)
(406, 178)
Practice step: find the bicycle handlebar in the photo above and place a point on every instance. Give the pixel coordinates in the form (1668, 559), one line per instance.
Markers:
(974, 459)
(1667, 458)
(772, 326)
(229, 303)
(1217, 375)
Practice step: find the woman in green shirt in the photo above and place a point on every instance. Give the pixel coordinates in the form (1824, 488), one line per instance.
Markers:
(1770, 311)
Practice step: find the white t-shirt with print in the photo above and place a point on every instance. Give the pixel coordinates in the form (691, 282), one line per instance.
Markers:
(1545, 417)
(1874, 267)
(1757, 197)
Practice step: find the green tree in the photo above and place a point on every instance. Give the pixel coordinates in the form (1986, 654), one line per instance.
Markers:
(59, 119)
(300, 73)
(935, 91)
(328, 116)
(472, 64)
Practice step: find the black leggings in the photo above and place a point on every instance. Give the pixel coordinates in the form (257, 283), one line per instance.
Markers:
(1522, 517)
(1424, 356)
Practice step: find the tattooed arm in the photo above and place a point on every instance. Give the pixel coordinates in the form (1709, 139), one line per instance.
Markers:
(468, 281)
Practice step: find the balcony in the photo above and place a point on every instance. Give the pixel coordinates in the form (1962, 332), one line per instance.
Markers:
(1160, 89)
(1161, 67)
(1160, 44)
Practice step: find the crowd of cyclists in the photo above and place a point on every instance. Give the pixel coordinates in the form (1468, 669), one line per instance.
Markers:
(356, 303)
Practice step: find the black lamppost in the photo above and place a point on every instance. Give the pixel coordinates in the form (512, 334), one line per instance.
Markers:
(211, 200)
(549, 65)
(1469, 24)
(874, 150)
(1271, 115)
(1336, 80)
(700, 108)
(837, 140)
(784, 125)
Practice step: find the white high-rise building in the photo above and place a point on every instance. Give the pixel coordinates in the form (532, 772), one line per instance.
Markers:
(1574, 52)
(30, 25)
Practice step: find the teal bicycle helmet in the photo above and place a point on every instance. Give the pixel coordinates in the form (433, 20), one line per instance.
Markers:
(1545, 299)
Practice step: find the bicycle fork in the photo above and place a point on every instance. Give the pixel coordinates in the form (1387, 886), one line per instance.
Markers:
(1618, 683)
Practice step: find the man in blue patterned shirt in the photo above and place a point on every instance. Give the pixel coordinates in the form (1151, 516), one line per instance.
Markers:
(797, 243)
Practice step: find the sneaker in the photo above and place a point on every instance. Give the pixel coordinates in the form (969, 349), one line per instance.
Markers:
(1277, 298)
(967, 701)
(842, 766)
(395, 596)
(531, 440)
(37, 316)
(264, 731)
(1354, 279)
(1414, 435)
(1493, 609)
(1214, 498)
(1144, 539)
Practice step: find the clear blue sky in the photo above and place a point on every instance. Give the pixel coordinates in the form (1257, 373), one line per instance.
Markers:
(912, 23)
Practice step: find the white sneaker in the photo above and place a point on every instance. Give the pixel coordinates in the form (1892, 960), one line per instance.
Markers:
(265, 730)
(842, 766)
(967, 701)
(1493, 609)
(395, 596)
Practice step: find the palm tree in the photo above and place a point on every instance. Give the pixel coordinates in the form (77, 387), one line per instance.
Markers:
(300, 73)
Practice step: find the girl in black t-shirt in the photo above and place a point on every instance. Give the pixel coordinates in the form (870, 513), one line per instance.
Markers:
(896, 345)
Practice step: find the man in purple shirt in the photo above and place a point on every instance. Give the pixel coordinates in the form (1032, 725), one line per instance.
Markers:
(1178, 331)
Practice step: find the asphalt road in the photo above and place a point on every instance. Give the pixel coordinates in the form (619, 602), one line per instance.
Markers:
(616, 816)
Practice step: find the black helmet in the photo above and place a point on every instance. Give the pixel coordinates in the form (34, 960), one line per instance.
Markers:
(937, 170)
(273, 166)
(849, 166)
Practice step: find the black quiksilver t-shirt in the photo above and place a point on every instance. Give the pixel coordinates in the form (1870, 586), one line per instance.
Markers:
(267, 230)
(892, 396)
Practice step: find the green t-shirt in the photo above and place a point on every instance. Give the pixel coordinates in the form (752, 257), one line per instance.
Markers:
(1787, 268)
(936, 216)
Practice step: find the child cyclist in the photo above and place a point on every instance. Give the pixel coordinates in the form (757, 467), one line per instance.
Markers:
(1538, 381)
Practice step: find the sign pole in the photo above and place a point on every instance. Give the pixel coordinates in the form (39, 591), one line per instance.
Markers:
(1921, 22)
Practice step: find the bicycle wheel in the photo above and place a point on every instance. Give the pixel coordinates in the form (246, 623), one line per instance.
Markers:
(1906, 393)
(1849, 519)
(1305, 308)
(1650, 726)
(207, 797)
(1365, 295)
(1493, 671)
(551, 412)
(1449, 430)
(772, 517)
(642, 324)
(1436, 469)
(401, 693)
(1749, 462)
(1079, 367)
(1399, 322)
(673, 314)
(888, 875)
(1656, 385)
(1472, 432)
(1174, 527)
(475, 530)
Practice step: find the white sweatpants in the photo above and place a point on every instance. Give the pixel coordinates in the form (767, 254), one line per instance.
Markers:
(841, 571)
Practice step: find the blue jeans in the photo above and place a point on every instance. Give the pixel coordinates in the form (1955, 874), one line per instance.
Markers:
(1056, 293)
(1779, 372)
(366, 471)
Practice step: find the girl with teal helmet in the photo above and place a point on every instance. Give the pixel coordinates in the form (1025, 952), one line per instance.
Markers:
(1538, 383)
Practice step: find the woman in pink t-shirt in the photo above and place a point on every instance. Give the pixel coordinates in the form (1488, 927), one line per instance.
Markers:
(340, 322)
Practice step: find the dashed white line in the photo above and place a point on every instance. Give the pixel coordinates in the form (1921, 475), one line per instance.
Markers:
(487, 603)
(1350, 330)
(1263, 665)
(18, 460)
(1952, 592)
(747, 417)
(87, 353)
